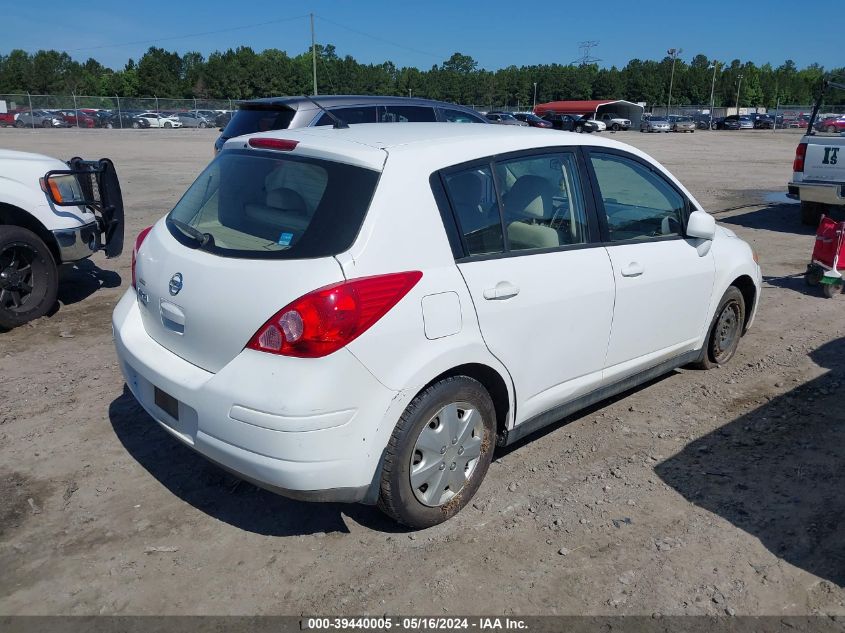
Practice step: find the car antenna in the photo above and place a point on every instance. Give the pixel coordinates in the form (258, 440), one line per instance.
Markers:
(339, 124)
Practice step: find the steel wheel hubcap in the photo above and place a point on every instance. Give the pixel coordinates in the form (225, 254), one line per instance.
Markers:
(446, 453)
(15, 276)
(727, 329)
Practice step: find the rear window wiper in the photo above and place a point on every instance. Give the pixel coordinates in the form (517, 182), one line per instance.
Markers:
(202, 239)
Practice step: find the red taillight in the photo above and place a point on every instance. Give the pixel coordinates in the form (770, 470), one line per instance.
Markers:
(800, 155)
(138, 241)
(279, 144)
(327, 319)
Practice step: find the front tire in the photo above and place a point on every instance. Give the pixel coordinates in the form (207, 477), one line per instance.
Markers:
(811, 213)
(615, 127)
(168, 125)
(831, 290)
(725, 330)
(29, 281)
(439, 453)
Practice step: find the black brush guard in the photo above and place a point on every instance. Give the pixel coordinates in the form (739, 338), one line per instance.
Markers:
(101, 191)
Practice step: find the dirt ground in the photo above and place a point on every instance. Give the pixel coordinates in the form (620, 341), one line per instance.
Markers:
(701, 493)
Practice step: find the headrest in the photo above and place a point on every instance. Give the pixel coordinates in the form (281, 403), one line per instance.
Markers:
(466, 188)
(530, 196)
(287, 199)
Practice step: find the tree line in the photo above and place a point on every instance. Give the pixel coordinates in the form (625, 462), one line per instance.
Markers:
(242, 73)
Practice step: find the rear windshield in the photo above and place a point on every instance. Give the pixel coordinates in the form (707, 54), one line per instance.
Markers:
(250, 120)
(270, 205)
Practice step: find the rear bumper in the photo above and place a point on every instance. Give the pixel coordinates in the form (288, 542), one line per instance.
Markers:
(823, 192)
(305, 428)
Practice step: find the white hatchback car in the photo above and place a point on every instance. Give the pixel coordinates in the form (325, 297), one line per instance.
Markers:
(363, 314)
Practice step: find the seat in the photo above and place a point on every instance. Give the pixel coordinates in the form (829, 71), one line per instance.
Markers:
(467, 191)
(528, 202)
(284, 210)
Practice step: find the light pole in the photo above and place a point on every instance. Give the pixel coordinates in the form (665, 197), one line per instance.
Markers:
(535, 95)
(712, 94)
(673, 53)
(738, 88)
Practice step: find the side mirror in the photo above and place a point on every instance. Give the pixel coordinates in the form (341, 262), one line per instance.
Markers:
(701, 225)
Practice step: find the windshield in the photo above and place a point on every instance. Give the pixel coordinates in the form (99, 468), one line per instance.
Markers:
(262, 205)
(251, 120)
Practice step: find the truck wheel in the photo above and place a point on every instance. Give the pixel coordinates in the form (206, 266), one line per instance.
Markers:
(29, 280)
(615, 127)
(725, 330)
(811, 213)
(439, 452)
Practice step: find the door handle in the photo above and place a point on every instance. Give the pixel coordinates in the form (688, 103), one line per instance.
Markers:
(502, 290)
(634, 269)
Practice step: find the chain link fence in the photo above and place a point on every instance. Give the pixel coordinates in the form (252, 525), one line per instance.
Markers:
(88, 111)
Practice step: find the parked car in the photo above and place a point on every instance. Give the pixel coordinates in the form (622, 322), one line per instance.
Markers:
(601, 126)
(127, 120)
(277, 113)
(158, 120)
(77, 118)
(222, 120)
(40, 118)
(51, 213)
(394, 351)
(192, 119)
(570, 122)
(504, 118)
(702, 121)
(7, 119)
(762, 121)
(734, 122)
(208, 115)
(682, 123)
(532, 119)
(614, 121)
(832, 124)
(655, 124)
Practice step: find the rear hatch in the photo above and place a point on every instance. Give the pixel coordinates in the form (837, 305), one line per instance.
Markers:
(257, 230)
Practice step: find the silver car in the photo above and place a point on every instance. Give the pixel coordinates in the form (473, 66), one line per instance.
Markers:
(192, 119)
(40, 118)
(655, 124)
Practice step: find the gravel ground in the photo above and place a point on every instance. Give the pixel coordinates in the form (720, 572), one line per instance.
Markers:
(700, 493)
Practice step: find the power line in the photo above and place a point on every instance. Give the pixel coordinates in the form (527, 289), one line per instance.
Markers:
(186, 36)
(381, 39)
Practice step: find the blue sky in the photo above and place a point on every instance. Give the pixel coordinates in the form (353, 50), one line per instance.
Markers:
(495, 33)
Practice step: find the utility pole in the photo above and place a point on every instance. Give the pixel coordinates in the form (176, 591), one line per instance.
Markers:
(313, 54)
(535, 95)
(712, 94)
(673, 53)
(738, 88)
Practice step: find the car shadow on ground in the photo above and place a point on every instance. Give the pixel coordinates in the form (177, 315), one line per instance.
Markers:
(780, 217)
(778, 472)
(794, 282)
(215, 492)
(82, 279)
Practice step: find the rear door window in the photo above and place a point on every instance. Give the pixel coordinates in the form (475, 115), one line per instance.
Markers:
(259, 205)
(351, 115)
(406, 114)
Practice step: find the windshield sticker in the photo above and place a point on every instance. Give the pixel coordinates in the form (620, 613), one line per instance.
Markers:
(285, 239)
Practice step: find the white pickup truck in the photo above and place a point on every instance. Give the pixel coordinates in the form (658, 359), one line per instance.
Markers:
(51, 213)
(818, 171)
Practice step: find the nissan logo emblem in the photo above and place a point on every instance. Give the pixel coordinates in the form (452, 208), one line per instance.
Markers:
(175, 284)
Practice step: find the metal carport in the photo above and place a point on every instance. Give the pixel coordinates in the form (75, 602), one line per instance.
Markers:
(626, 109)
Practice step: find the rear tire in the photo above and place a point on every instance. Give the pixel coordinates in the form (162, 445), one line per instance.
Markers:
(831, 128)
(29, 281)
(725, 330)
(811, 213)
(418, 474)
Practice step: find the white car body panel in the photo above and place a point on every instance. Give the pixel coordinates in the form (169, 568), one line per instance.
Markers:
(19, 187)
(823, 178)
(306, 426)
